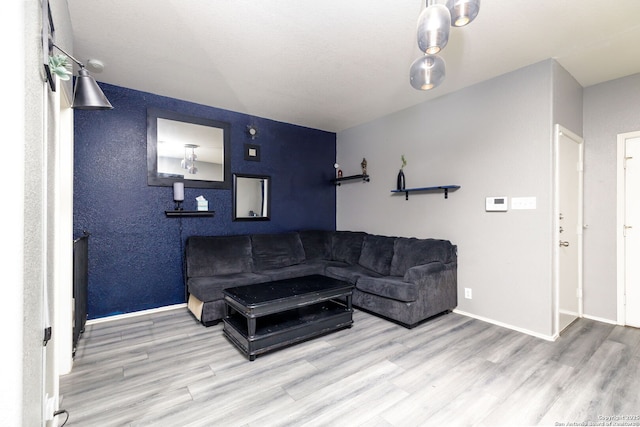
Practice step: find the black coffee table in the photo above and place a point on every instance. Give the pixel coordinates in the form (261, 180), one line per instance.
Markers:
(268, 316)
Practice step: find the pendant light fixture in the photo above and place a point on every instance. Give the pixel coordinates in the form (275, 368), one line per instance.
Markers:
(189, 160)
(427, 72)
(434, 24)
(463, 11)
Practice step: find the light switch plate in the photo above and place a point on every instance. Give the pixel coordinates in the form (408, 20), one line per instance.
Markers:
(523, 203)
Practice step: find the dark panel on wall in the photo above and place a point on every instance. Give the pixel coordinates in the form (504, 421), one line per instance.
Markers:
(135, 260)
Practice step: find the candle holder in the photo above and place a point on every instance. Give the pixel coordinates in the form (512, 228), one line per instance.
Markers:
(178, 195)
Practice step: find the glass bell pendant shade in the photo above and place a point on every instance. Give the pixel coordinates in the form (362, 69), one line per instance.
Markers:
(434, 24)
(427, 72)
(463, 11)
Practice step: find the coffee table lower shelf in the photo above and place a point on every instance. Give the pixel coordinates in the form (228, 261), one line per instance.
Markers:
(285, 328)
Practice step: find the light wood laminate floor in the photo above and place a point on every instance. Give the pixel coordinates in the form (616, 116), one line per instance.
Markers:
(165, 369)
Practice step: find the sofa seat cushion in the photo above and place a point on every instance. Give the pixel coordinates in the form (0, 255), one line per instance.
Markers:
(210, 288)
(389, 287)
(376, 254)
(304, 269)
(409, 252)
(346, 246)
(218, 255)
(276, 250)
(349, 273)
(316, 244)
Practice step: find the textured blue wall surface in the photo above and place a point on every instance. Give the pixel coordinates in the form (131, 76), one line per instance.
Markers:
(135, 251)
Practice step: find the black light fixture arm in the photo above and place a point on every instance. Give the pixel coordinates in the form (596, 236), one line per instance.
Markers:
(80, 64)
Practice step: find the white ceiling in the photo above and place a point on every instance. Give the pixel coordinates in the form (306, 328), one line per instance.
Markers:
(334, 64)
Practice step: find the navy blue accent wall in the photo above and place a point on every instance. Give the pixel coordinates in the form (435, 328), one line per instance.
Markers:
(135, 251)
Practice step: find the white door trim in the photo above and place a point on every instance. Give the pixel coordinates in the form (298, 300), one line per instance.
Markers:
(63, 236)
(620, 202)
(558, 132)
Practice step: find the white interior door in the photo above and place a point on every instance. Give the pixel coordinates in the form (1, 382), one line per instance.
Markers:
(631, 231)
(569, 199)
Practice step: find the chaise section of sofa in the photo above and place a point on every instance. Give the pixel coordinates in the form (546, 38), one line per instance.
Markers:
(406, 280)
(422, 282)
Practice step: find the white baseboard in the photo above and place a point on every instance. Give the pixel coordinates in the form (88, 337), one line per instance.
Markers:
(135, 314)
(600, 319)
(463, 313)
(570, 313)
(505, 325)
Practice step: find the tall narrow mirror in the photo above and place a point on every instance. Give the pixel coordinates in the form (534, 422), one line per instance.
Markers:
(193, 150)
(251, 197)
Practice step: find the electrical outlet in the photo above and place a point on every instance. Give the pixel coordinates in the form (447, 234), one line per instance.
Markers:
(467, 293)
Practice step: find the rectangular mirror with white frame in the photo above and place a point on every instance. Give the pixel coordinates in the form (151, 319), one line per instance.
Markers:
(251, 197)
(193, 150)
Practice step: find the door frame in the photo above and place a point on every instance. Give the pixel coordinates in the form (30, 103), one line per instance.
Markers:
(559, 131)
(63, 240)
(620, 208)
(58, 248)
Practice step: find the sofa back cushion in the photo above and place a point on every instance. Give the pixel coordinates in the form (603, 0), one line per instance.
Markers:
(276, 250)
(346, 246)
(316, 244)
(377, 252)
(409, 252)
(218, 255)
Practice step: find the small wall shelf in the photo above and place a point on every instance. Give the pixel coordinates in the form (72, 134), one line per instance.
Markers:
(446, 189)
(338, 181)
(174, 214)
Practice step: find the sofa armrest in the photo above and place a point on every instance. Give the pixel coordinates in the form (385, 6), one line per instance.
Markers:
(437, 284)
(418, 273)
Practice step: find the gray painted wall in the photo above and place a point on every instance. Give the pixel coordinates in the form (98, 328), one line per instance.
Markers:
(567, 100)
(493, 139)
(610, 108)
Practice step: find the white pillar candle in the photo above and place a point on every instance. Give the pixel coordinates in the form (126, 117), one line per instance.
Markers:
(178, 191)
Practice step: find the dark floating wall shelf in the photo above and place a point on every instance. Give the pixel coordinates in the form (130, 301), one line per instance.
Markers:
(174, 214)
(446, 189)
(337, 181)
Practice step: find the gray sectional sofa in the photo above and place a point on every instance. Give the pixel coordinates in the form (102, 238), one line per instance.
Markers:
(406, 280)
